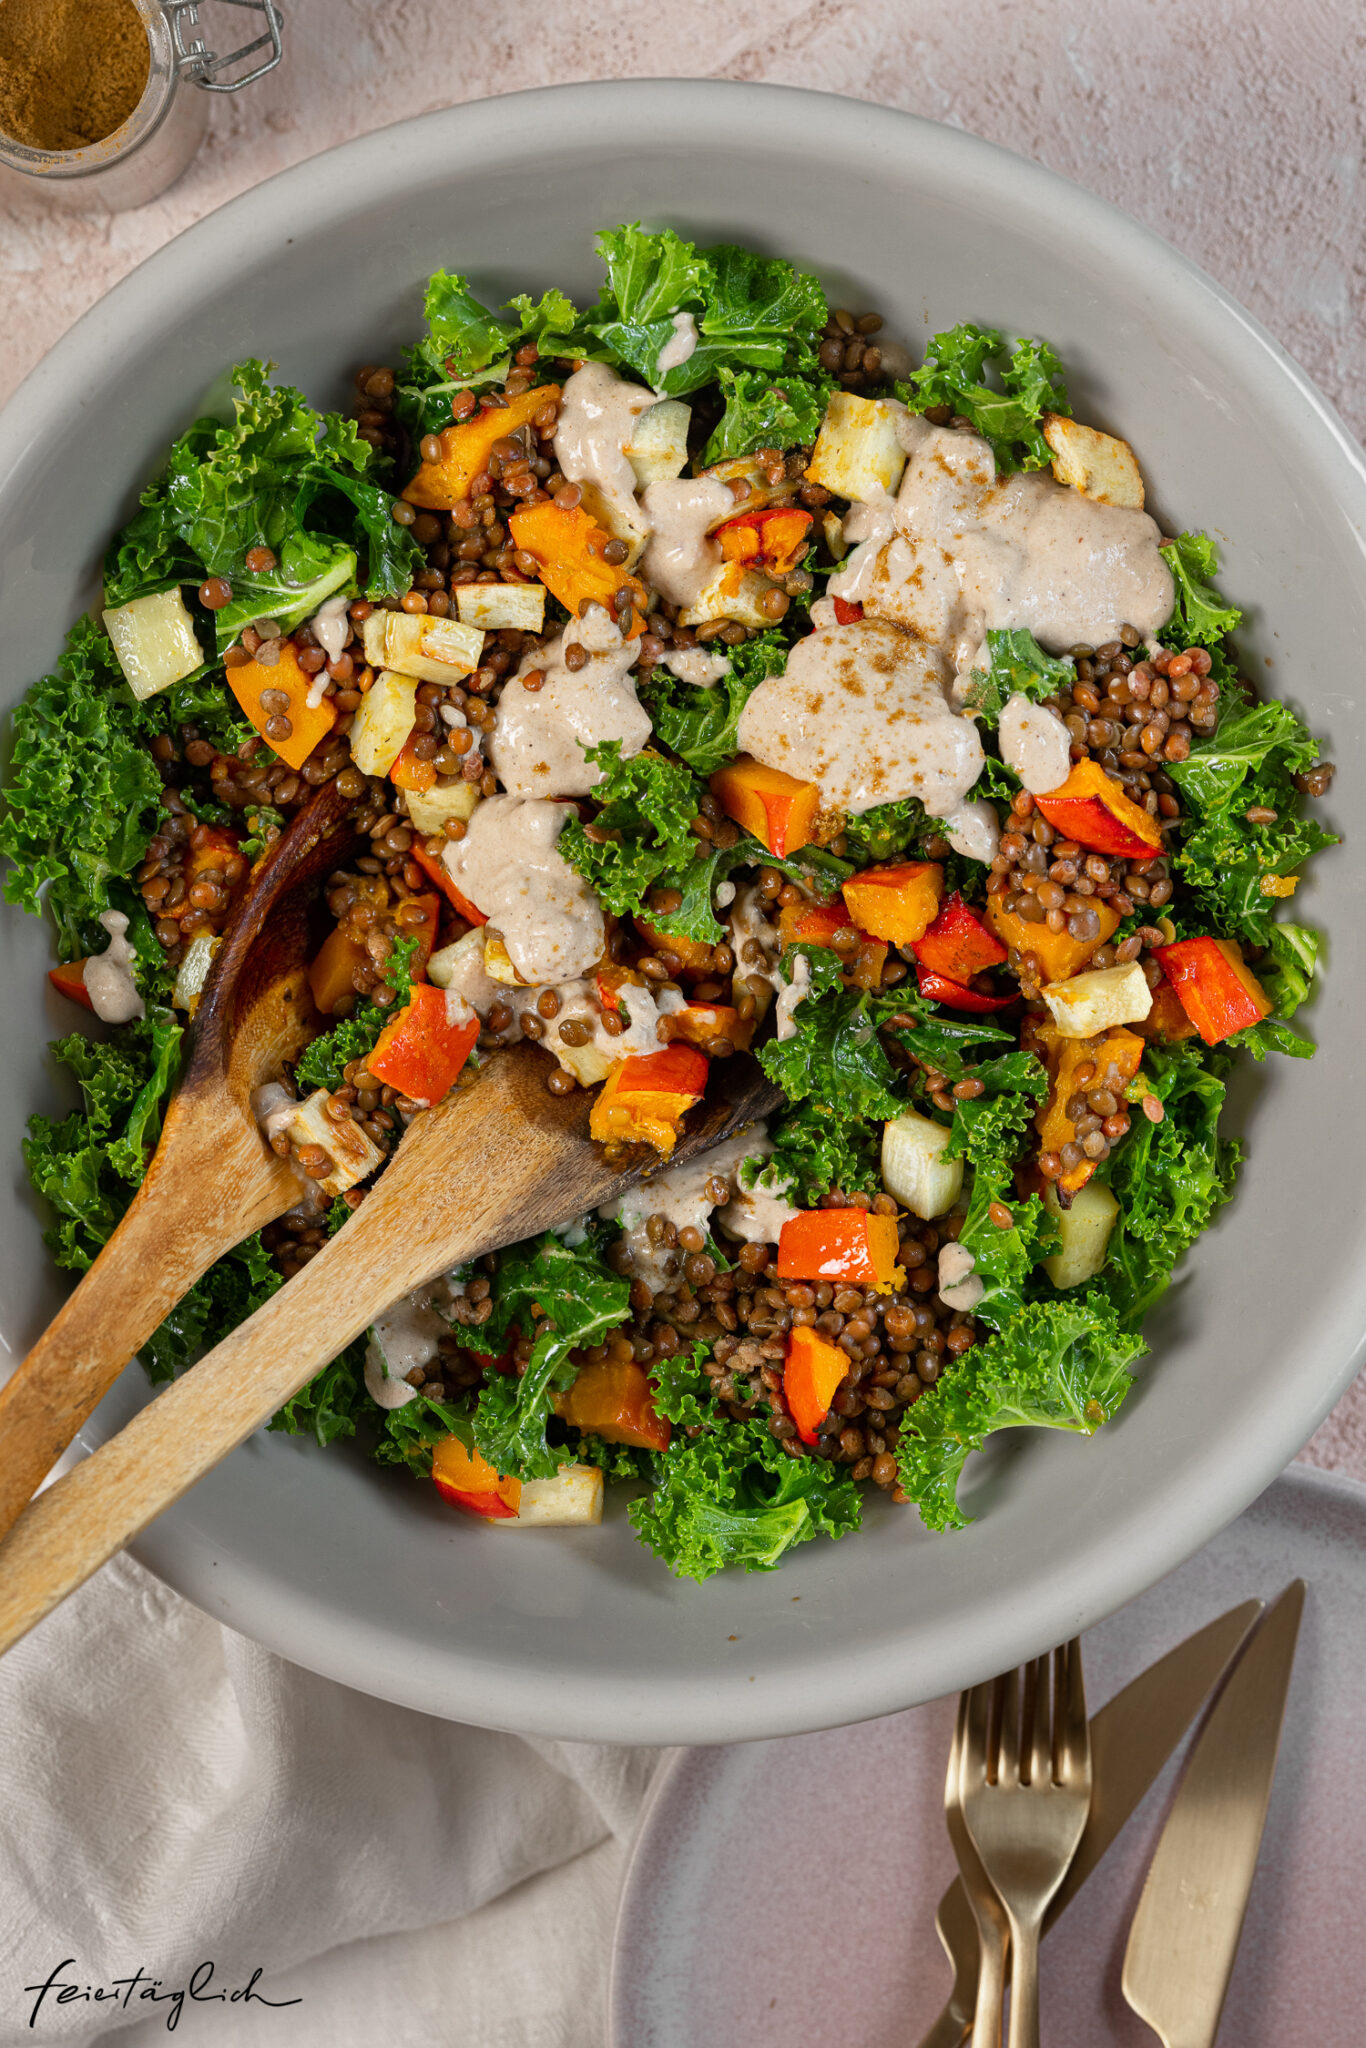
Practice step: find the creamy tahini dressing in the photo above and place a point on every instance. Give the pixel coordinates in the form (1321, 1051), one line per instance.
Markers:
(508, 867)
(960, 1286)
(863, 711)
(790, 994)
(756, 1215)
(754, 941)
(108, 976)
(539, 736)
(679, 348)
(273, 1107)
(968, 552)
(695, 665)
(330, 625)
(404, 1337)
(680, 1196)
(680, 557)
(598, 413)
(973, 829)
(1035, 743)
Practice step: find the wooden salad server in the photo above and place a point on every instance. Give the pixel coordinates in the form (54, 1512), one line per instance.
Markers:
(212, 1180)
(488, 1165)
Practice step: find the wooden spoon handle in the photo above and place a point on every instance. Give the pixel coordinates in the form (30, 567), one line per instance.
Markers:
(163, 1244)
(489, 1165)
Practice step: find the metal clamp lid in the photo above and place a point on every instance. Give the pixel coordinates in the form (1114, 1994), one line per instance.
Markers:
(203, 66)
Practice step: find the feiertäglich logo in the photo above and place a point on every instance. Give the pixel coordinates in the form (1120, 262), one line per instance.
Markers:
(61, 1989)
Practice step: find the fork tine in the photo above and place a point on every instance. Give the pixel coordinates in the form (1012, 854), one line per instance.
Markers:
(953, 1775)
(1008, 1751)
(1040, 1718)
(1073, 1738)
(975, 1753)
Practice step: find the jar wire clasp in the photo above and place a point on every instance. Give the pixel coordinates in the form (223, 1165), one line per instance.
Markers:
(202, 66)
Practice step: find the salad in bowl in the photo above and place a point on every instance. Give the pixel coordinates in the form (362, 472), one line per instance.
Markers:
(709, 680)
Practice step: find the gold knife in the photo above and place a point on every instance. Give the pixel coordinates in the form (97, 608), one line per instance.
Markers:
(1185, 1932)
(1132, 1736)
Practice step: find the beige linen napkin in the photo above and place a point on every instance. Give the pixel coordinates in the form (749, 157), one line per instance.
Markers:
(173, 1796)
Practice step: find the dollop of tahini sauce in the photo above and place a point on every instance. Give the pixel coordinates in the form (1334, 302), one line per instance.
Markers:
(507, 865)
(863, 711)
(108, 976)
(959, 551)
(539, 736)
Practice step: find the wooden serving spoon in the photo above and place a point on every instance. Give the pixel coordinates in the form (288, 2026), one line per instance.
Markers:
(212, 1181)
(491, 1164)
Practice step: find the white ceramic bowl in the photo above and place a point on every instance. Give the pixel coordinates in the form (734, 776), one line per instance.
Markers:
(353, 1571)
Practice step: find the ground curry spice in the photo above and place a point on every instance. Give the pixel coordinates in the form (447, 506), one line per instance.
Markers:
(71, 71)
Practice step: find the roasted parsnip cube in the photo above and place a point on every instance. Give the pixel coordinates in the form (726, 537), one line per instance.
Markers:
(914, 1168)
(383, 722)
(658, 447)
(732, 593)
(430, 808)
(1096, 464)
(494, 605)
(1083, 1233)
(625, 523)
(1092, 1002)
(154, 639)
(415, 644)
(858, 452)
(352, 1153)
(587, 1063)
(746, 469)
(194, 970)
(573, 1495)
(498, 961)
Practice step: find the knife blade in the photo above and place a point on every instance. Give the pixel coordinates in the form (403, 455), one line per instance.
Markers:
(1189, 1918)
(1132, 1736)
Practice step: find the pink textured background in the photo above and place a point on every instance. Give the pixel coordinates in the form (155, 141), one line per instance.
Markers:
(1231, 128)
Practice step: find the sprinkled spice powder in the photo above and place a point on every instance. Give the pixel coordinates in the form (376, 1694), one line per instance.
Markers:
(71, 71)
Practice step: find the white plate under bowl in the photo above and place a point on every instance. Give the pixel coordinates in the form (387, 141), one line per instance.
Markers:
(783, 1893)
(364, 1576)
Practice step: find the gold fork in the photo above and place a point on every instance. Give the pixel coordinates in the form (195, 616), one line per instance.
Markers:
(977, 1948)
(1025, 1789)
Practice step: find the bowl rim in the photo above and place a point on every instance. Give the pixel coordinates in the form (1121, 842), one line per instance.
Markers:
(297, 1622)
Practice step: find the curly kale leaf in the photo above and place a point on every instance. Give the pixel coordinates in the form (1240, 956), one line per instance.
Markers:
(749, 311)
(647, 806)
(1201, 617)
(766, 411)
(817, 1147)
(1168, 1178)
(730, 1494)
(989, 1129)
(333, 1402)
(835, 1055)
(1007, 412)
(700, 724)
(571, 1298)
(1237, 868)
(1058, 1365)
(281, 476)
(1017, 666)
(83, 794)
(466, 345)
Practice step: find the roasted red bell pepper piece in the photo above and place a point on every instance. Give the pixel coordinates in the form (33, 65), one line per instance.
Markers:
(408, 771)
(775, 539)
(421, 1051)
(615, 1400)
(643, 1100)
(811, 1378)
(466, 1480)
(839, 1244)
(938, 988)
(438, 872)
(846, 614)
(1217, 991)
(958, 944)
(1091, 808)
(69, 981)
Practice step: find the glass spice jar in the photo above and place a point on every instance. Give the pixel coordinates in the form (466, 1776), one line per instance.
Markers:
(149, 150)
